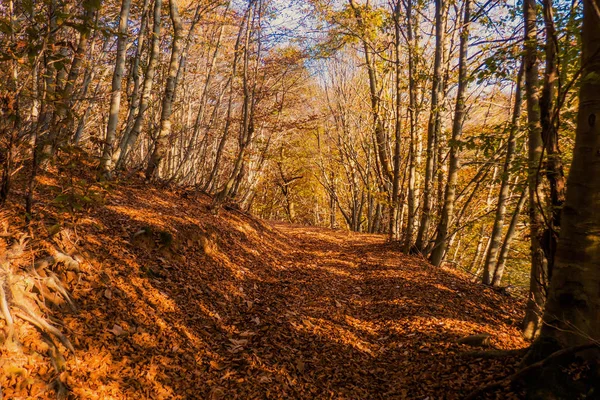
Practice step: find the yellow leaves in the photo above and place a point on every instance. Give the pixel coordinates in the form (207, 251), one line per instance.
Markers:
(360, 21)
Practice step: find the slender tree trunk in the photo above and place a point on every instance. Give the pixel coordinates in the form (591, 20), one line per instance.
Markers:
(412, 109)
(496, 235)
(41, 131)
(397, 127)
(62, 126)
(510, 233)
(160, 144)
(115, 99)
(128, 141)
(535, 301)
(203, 99)
(433, 126)
(378, 128)
(43, 145)
(134, 102)
(248, 109)
(457, 127)
(549, 120)
(10, 125)
(211, 183)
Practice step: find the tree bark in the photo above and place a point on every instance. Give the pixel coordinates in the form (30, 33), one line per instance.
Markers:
(535, 301)
(572, 315)
(160, 145)
(128, 141)
(115, 99)
(135, 97)
(457, 127)
(398, 123)
(510, 233)
(412, 110)
(549, 121)
(247, 127)
(496, 235)
(433, 126)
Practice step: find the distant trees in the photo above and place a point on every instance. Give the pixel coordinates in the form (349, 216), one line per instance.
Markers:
(193, 101)
(424, 182)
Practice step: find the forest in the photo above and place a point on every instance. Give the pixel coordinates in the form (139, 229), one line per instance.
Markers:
(349, 199)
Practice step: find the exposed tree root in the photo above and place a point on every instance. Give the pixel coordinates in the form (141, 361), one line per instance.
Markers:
(26, 293)
(529, 369)
(495, 353)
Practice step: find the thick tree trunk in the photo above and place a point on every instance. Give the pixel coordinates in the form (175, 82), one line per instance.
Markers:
(572, 315)
(441, 240)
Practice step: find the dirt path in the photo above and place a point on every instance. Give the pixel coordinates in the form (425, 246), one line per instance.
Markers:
(350, 317)
(228, 307)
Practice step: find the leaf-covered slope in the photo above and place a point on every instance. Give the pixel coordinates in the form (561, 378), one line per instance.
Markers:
(175, 302)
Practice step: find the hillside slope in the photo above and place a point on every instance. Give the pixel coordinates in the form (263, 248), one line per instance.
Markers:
(172, 301)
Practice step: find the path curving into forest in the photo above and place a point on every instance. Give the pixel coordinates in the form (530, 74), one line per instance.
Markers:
(174, 302)
(367, 322)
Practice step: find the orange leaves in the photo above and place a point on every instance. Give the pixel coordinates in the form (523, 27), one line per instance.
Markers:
(276, 312)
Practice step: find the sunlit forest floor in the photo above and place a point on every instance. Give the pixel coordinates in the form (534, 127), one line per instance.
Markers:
(173, 301)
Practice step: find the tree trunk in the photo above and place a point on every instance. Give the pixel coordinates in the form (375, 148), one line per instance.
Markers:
(62, 126)
(572, 314)
(457, 127)
(549, 121)
(135, 99)
(248, 109)
(434, 124)
(160, 145)
(496, 235)
(412, 110)
(211, 183)
(510, 233)
(398, 124)
(127, 141)
(535, 301)
(115, 99)
(203, 100)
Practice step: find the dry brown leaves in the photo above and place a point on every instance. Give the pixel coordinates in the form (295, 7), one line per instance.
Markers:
(174, 302)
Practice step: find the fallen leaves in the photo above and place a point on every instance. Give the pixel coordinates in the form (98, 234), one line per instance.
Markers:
(117, 330)
(240, 309)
